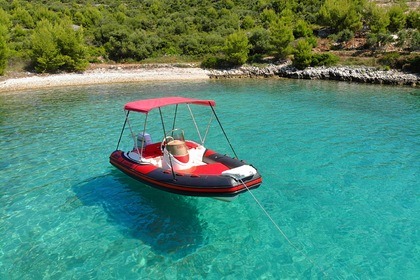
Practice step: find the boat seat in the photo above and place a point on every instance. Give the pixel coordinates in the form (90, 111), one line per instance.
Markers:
(152, 150)
(241, 172)
(179, 150)
(206, 169)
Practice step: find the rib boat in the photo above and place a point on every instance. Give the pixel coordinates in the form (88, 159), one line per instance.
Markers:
(176, 164)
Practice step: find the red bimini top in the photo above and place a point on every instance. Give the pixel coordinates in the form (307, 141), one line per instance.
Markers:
(146, 105)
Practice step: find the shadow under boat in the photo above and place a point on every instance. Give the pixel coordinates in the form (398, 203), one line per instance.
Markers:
(168, 223)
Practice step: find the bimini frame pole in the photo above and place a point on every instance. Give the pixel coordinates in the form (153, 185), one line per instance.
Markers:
(195, 123)
(163, 123)
(122, 130)
(176, 111)
(142, 142)
(223, 130)
(164, 135)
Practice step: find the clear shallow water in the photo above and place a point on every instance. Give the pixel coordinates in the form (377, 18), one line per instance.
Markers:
(341, 178)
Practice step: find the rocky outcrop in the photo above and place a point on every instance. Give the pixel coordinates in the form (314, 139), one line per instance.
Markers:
(272, 70)
(353, 74)
(360, 74)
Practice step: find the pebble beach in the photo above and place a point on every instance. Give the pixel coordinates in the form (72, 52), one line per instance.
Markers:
(103, 75)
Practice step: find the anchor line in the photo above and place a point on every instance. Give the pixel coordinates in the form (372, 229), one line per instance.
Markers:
(281, 231)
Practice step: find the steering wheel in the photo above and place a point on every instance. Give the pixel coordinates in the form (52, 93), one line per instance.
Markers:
(165, 141)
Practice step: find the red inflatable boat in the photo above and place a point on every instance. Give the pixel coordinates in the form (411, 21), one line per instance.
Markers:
(178, 165)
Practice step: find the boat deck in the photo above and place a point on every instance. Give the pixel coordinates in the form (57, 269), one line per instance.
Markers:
(152, 154)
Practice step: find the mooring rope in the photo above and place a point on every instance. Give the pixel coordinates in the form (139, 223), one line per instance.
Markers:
(282, 232)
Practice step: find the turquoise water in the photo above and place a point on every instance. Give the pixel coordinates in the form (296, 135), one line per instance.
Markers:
(340, 164)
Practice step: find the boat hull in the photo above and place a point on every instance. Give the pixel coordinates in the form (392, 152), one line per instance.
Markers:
(190, 183)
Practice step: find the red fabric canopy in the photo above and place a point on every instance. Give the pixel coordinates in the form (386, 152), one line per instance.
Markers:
(146, 105)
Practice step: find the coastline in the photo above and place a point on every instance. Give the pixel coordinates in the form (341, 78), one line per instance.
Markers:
(108, 74)
(357, 74)
(103, 75)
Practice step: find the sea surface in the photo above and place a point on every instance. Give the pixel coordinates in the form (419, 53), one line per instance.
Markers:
(339, 200)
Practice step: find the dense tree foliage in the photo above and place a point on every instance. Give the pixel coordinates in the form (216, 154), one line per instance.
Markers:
(304, 57)
(341, 15)
(57, 47)
(303, 54)
(236, 48)
(4, 25)
(64, 35)
(3, 52)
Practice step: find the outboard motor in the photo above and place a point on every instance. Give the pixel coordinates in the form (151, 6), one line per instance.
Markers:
(143, 139)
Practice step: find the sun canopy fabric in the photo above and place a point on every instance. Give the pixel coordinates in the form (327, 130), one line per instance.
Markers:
(146, 105)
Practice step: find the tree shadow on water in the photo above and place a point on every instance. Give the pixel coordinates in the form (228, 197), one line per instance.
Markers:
(167, 222)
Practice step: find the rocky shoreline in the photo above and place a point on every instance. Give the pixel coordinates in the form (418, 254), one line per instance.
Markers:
(103, 74)
(360, 74)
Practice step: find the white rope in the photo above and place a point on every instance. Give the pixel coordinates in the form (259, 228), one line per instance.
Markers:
(282, 232)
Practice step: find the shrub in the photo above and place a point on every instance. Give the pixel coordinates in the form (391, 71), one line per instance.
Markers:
(389, 59)
(413, 64)
(415, 40)
(236, 48)
(248, 22)
(216, 62)
(211, 62)
(409, 63)
(260, 41)
(413, 19)
(302, 55)
(281, 38)
(378, 40)
(302, 29)
(57, 47)
(324, 59)
(340, 15)
(345, 35)
(376, 18)
(396, 18)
